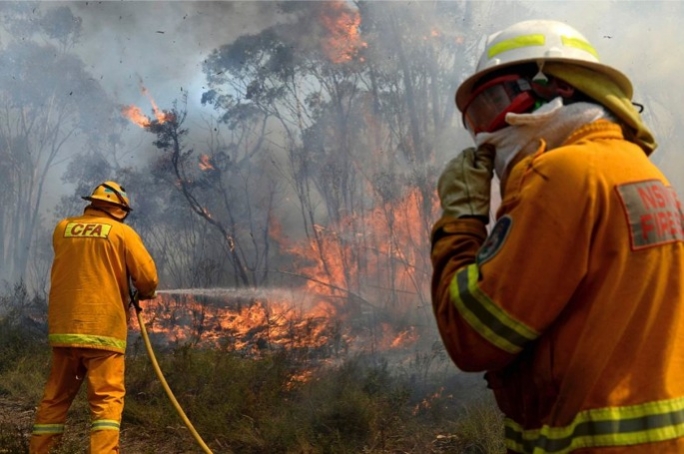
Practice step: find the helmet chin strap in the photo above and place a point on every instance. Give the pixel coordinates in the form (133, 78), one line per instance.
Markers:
(106, 208)
(103, 209)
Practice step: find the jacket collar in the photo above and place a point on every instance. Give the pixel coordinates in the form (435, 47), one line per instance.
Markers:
(600, 129)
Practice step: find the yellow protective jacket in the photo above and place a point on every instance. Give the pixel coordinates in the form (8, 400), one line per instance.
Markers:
(89, 292)
(574, 303)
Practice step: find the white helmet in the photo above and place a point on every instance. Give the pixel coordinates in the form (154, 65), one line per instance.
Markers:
(537, 41)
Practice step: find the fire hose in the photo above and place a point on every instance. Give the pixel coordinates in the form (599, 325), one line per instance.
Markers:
(135, 302)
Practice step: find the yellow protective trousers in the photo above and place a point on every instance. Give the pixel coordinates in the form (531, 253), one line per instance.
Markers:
(104, 372)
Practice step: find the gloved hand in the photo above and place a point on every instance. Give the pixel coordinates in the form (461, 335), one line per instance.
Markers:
(465, 184)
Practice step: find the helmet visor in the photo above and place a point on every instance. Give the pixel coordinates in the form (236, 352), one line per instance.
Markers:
(487, 107)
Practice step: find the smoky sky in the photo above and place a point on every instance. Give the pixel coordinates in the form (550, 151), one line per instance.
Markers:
(162, 45)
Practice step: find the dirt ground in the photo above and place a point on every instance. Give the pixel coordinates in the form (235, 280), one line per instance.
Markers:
(17, 416)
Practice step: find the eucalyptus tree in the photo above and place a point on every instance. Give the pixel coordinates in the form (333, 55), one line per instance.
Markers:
(51, 106)
(220, 181)
(359, 96)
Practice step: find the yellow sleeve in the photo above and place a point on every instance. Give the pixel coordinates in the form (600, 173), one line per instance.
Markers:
(537, 254)
(455, 243)
(140, 264)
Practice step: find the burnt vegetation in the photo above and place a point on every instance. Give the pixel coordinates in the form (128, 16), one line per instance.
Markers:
(290, 229)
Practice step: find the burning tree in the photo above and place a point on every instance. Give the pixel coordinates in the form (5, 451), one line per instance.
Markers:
(222, 186)
(357, 133)
(345, 106)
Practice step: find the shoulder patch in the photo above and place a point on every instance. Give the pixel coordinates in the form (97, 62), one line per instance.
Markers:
(653, 212)
(495, 240)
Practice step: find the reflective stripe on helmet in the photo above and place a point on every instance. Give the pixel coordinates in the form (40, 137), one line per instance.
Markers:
(516, 43)
(579, 44)
(649, 422)
(537, 40)
(488, 319)
(87, 340)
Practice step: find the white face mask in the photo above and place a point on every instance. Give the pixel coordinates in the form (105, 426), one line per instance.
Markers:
(552, 122)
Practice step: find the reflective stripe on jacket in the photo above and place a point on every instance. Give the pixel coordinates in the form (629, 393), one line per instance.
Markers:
(574, 304)
(88, 302)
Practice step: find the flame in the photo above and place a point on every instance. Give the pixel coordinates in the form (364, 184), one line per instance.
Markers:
(299, 377)
(407, 336)
(205, 162)
(386, 233)
(244, 325)
(357, 280)
(135, 114)
(390, 266)
(344, 37)
(160, 115)
(427, 402)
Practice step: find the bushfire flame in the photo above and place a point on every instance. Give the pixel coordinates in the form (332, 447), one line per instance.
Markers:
(134, 113)
(205, 162)
(344, 37)
(315, 318)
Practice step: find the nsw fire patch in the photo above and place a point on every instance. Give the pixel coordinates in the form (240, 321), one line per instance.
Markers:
(495, 240)
(86, 230)
(654, 213)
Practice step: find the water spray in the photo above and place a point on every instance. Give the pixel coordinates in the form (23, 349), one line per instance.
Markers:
(225, 292)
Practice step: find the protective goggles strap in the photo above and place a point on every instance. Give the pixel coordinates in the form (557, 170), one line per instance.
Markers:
(122, 201)
(487, 107)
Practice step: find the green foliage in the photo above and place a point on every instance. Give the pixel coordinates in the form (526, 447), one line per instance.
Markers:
(20, 333)
(481, 428)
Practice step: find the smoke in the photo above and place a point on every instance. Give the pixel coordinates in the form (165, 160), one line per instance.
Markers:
(288, 294)
(161, 43)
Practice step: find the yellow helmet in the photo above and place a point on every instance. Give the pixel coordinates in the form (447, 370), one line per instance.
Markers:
(111, 192)
(537, 41)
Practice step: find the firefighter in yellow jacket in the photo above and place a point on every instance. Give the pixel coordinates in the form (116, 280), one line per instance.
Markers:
(573, 303)
(95, 256)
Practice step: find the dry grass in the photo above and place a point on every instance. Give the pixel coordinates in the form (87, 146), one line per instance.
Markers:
(350, 409)
(251, 405)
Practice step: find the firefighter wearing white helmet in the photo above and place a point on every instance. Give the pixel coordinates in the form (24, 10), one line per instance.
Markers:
(572, 302)
(95, 256)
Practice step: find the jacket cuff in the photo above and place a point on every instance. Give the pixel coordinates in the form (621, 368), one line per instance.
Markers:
(448, 225)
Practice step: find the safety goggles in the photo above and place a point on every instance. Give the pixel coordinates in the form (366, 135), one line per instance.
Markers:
(486, 109)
